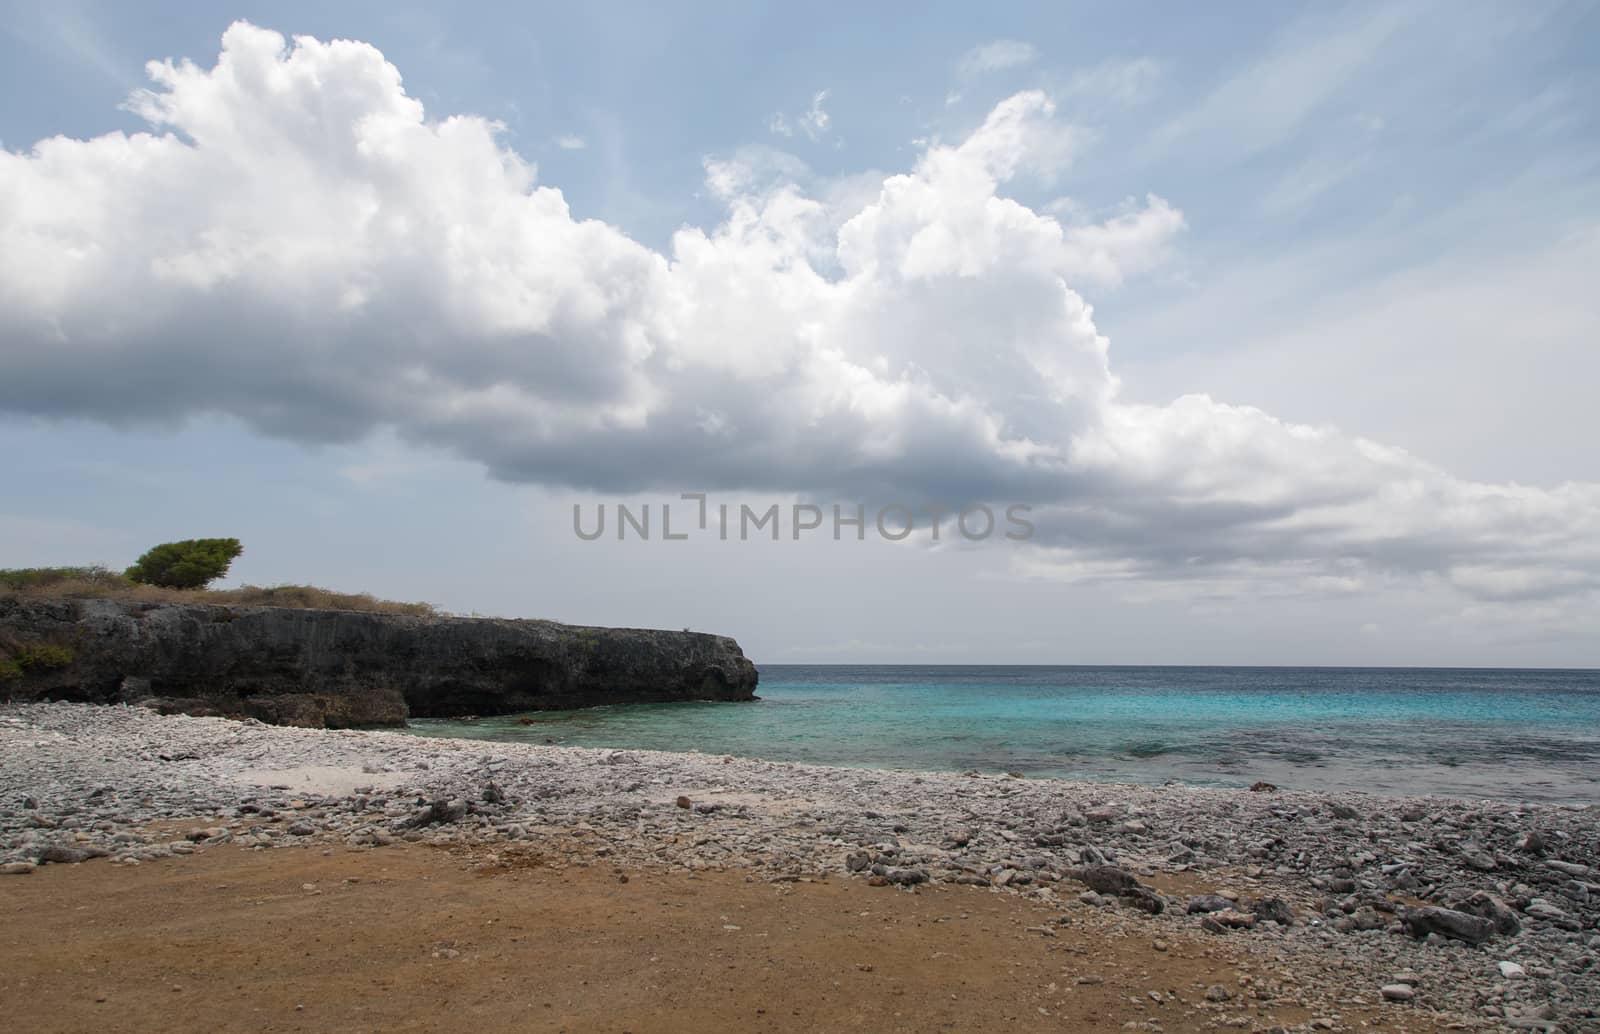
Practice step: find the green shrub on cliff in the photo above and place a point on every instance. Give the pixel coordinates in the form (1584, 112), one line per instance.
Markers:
(19, 659)
(40, 657)
(189, 564)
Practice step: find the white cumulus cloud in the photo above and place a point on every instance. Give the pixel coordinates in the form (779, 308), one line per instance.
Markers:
(295, 242)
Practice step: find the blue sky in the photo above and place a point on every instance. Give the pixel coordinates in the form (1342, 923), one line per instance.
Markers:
(1388, 220)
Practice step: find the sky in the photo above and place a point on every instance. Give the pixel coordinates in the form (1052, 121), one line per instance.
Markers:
(1277, 325)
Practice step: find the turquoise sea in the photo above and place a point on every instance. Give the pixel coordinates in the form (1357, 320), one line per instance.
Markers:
(1519, 734)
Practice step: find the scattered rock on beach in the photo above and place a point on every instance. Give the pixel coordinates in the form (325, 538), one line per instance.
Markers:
(1233, 919)
(1146, 900)
(1552, 913)
(1106, 879)
(1481, 903)
(1448, 923)
(63, 854)
(1273, 910)
(1202, 903)
(906, 877)
(438, 811)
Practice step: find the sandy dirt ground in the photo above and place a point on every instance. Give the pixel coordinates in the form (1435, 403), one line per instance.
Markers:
(423, 938)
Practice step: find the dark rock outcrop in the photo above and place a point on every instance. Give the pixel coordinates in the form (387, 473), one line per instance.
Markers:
(344, 669)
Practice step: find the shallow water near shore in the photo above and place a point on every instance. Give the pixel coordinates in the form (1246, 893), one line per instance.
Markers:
(1514, 734)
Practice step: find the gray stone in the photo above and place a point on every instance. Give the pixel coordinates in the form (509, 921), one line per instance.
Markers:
(1107, 879)
(62, 854)
(1233, 918)
(1145, 900)
(1448, 923)
(437, 812)
(1539, 908)
(1482, 903)
(1207, 903)
(906, 877)
(1274, 910)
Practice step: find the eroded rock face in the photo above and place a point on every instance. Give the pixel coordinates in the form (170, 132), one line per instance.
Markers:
(342, 669)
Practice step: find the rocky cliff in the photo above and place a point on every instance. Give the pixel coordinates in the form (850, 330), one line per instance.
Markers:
(346, 669)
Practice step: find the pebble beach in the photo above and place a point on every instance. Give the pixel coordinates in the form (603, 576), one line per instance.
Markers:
(1459, 914)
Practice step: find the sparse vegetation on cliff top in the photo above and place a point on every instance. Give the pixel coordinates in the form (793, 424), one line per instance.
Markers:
(100, 583)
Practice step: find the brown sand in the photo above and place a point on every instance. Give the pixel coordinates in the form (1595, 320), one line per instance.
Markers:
(412, 937)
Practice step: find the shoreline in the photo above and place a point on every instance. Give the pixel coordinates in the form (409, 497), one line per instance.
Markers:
(1519, 737)
(1223, 783)
(1332, 886)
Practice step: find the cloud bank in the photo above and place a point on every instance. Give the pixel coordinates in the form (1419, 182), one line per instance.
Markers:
(296, 244)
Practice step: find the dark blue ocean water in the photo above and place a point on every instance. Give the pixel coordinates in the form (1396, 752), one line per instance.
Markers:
(1520, 734)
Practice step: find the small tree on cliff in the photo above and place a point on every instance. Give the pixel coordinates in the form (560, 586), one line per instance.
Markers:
(189, 564)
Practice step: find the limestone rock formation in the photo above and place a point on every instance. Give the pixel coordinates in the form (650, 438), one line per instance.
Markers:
(343, 669)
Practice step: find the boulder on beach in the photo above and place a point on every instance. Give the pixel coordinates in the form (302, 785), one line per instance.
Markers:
(1447, 922)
